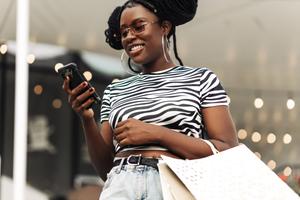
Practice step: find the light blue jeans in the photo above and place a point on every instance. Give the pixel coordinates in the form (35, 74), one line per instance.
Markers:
(129, 182)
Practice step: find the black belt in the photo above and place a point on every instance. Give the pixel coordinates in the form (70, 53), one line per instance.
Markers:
(137, 160)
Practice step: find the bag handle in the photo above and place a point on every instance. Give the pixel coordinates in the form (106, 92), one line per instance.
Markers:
(211, 146)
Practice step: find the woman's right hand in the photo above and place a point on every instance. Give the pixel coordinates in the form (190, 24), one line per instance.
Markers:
(80, 102)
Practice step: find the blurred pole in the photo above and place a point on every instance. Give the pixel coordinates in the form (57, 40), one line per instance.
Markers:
(2, 113)
(21, 101)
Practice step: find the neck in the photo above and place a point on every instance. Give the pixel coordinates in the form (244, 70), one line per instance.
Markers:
(158, 66)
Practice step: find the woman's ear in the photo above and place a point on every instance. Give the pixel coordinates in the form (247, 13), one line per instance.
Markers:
(167, 26)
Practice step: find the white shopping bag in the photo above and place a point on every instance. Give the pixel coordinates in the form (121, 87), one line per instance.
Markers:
(172, 187)
(234, 174)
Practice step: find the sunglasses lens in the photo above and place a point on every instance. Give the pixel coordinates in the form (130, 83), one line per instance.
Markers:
(124, 32)
(138, 28)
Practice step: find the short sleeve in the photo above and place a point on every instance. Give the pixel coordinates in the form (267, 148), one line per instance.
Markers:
(211, 91)
(105, 105)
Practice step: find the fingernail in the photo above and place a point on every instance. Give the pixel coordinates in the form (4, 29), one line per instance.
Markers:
(84, 84)
(91, 89)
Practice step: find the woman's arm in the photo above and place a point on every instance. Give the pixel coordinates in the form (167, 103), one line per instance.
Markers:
(100, 145)
(99, 140)
(218, 123)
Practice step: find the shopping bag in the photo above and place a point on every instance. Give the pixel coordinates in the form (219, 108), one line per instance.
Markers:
(172, 187)
(233, 174)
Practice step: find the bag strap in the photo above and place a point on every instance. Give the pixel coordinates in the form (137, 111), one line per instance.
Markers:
(211, 146)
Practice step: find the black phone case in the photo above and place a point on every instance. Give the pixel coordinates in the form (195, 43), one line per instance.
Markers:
(76, 78)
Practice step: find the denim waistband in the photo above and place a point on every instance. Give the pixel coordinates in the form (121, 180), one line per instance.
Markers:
(135, 160)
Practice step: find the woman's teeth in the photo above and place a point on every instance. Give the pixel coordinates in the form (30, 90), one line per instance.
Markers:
(135, 48)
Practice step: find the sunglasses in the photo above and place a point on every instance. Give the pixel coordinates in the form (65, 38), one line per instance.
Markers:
(135, 28)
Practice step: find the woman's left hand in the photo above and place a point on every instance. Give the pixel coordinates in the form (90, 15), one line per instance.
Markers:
(134, 132)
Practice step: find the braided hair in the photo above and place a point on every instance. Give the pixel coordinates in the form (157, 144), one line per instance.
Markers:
(178, 12)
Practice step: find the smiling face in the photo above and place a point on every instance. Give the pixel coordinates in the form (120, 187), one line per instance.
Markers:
(141, 33)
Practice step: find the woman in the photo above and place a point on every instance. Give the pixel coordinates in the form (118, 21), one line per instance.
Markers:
(165, 109)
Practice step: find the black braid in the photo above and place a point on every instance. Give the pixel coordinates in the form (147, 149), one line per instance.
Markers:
(175, 48)
(130, 67)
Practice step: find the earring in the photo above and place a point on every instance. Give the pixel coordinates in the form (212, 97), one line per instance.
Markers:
(128, 65)
(163, 38)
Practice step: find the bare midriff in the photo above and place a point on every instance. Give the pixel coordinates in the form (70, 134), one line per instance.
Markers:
(147, 153)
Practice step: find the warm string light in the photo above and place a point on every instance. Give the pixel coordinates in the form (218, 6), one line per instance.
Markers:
(3, 48)
(242, 134)
(258, 103)
(272, 164)
(287, 171)
(290, 104)
(38, 89)
(287, 138)
(271, 138)
(57, 103)
(256, 137)
(30, 58)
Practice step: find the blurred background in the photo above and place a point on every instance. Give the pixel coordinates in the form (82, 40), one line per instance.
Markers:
(252, 45)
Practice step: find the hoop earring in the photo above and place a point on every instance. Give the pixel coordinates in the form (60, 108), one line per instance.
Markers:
(163, 48)
(128, 65)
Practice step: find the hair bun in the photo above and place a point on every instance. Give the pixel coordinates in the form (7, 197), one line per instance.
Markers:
(177, 11)
(112, 33)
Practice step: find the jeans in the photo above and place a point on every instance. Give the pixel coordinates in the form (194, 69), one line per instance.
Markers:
(128, 182)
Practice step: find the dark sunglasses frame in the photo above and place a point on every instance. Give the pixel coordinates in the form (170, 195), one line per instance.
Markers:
(135, 28)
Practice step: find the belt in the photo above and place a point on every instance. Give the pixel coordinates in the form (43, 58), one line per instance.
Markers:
(137, 160)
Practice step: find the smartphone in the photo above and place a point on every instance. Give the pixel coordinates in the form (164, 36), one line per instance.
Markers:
(76, 78)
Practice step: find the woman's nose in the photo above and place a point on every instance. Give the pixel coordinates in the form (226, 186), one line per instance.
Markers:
(130, 33)
(130, 36)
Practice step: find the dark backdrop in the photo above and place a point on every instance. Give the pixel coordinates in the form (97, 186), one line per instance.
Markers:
(56, 148)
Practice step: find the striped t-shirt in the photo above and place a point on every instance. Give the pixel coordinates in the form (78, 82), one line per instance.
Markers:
(172, 98)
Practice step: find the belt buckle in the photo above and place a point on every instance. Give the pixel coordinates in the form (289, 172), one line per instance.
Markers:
(139, 157)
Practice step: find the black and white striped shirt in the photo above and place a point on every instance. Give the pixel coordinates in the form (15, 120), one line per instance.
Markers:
(172, 98)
